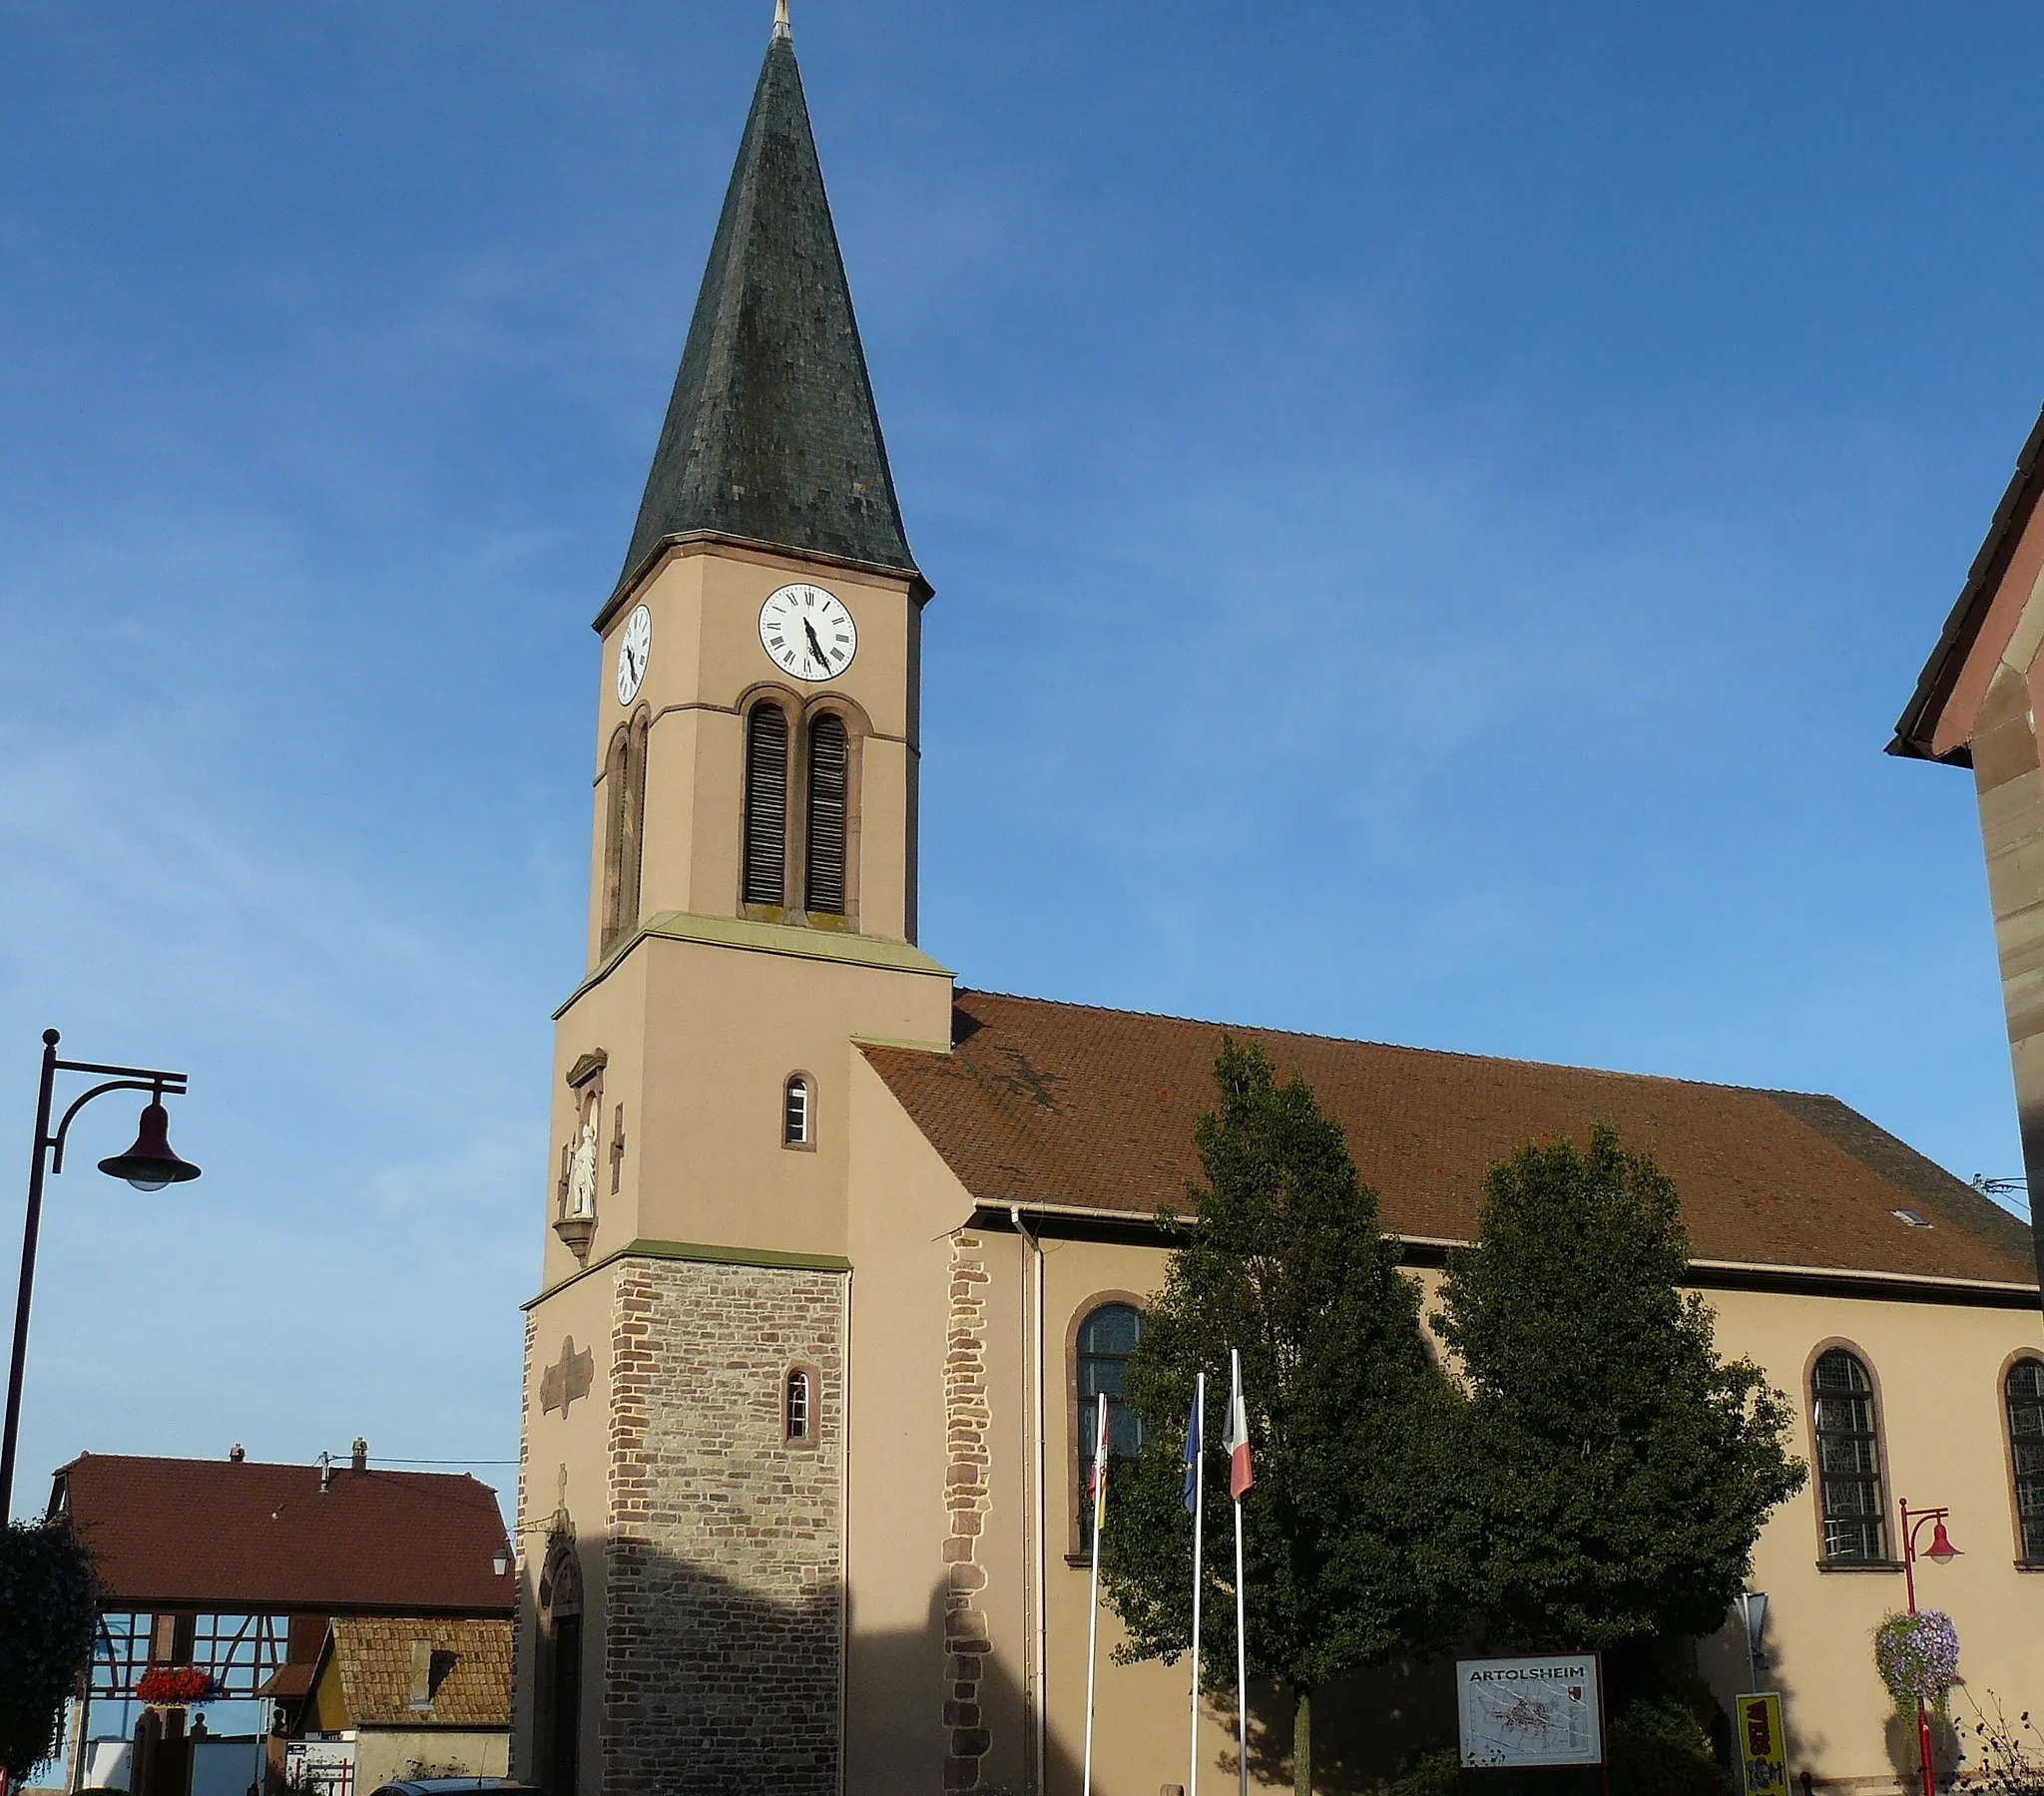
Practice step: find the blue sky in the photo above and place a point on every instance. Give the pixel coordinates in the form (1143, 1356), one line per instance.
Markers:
(1434, 511)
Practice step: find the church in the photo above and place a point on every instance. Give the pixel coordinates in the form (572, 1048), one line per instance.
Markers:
(836, 1246)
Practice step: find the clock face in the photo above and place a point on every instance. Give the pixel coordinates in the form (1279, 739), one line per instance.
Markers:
(634, 648)
(808, 632)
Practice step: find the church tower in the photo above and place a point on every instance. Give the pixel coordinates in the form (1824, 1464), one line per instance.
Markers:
(752, 920)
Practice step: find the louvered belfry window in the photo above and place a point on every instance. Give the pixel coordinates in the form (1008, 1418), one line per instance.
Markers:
(766, 872)
(2025, 1390)
(1848, 1460)
(829, 759)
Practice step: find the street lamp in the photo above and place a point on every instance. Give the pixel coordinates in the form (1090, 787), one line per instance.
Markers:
(1941, 1551)
(148, 1165)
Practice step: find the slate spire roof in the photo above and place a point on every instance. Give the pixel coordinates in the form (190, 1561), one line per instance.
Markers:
(771, 434)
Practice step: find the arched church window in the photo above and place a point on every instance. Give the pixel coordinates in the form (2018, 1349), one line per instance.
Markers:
(1846, 1423)
(623, 778)
(829, 764)
(798, 1407)
(2023, 1391)
(1107, 1338)
(766, 867)
(798, 1113)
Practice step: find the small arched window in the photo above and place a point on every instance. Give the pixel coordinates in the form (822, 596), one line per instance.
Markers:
(798, 1113)
(765, 823)
(829, 767)
(623, 775)
(798, 1407)
(1106, 1339)
(1846, 1424)
(2024, 1391)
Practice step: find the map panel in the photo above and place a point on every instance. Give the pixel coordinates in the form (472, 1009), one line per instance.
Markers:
(1540, 1709)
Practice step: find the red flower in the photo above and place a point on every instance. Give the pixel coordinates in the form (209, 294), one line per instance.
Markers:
(176, 1684)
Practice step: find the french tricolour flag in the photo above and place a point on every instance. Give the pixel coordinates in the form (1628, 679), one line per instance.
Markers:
(1097, 1481)
(1241, 1475)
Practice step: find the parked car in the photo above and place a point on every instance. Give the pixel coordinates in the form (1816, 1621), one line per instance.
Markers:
(457, 1786)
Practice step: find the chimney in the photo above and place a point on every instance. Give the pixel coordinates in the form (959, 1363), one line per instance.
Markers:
(359, 1463)
(326, 1473)
(234, 1454)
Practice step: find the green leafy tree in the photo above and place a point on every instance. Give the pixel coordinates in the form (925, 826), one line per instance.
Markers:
(49, 1608)
(1285, 1261)
(1616, 1470)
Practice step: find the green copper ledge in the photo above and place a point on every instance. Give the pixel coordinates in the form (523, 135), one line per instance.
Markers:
(765, 938)
(701, 1255)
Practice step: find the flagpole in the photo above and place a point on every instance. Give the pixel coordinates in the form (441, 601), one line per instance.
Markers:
(1196, 1453)
(1092, 1606)
(1241, 1648)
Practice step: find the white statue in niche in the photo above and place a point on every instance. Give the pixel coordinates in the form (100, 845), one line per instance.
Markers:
(582, 1169)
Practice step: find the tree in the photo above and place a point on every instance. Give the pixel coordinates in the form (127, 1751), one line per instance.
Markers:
(1284, 1260)
(49, 1608)
(1617, 1471)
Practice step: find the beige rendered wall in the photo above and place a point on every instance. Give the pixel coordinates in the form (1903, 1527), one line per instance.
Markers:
(904, 1212)
(702, 1036)
(705, 666)
(2010, 790)
(390, 1754)
(1939, 1368)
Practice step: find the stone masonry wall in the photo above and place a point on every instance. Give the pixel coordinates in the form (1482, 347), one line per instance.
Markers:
(966, 1418)
(722, 1655)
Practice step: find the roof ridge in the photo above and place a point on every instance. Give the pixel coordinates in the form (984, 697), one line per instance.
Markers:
(1458, 1054)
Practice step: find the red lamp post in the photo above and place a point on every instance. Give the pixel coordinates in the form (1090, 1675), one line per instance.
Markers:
(1941, 1551)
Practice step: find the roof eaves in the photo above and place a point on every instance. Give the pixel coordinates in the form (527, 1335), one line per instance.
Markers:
(1917, 726)
(919, 589)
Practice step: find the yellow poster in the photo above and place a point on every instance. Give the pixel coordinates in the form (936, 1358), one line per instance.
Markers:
(1762, 1749)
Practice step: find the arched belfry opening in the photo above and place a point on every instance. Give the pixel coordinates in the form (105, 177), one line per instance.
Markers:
(624, 797)
(829, 773)
(765, 820)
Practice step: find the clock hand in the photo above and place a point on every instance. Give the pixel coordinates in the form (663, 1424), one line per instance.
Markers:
(815, 647)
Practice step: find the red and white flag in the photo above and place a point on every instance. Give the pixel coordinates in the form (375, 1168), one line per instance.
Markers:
(1241, 1475)
(1096, 1484)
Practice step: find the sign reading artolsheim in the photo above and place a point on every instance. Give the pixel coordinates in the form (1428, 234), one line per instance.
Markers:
(1535, 1710)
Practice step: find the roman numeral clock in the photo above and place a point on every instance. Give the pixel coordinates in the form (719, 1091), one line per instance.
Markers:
(807, 632)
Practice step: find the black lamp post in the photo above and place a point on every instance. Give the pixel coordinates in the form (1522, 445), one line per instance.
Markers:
(148, 1165)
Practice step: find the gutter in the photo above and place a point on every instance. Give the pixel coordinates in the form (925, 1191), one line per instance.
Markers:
(1134, 1228)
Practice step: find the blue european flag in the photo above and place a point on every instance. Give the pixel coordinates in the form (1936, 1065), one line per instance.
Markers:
(1193, 1425)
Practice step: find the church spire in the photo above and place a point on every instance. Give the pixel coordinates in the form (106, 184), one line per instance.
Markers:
(771, 435)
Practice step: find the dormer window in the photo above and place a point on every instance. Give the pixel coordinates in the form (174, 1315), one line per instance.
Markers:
(798, 1113)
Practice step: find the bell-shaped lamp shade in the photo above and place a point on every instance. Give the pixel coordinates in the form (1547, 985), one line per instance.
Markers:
(151, 1163)
(1941, 1548)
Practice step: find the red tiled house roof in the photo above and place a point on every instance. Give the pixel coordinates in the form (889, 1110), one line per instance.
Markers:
(376, 1662)
(238, 1536)
(1046, 1105)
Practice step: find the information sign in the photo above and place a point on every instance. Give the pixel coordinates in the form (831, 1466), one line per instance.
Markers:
(1762, 1749)
(1534, 1709)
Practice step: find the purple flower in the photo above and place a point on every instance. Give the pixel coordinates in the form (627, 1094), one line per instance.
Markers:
(1917, 1655)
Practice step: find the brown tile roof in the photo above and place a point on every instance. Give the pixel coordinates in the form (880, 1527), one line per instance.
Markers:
(242, 1537)
(287, 1683)
(1064, 1105)
(375, 1659)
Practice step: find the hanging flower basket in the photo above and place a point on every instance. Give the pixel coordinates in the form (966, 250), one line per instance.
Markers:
(174, 1687)
(1918, 1658)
